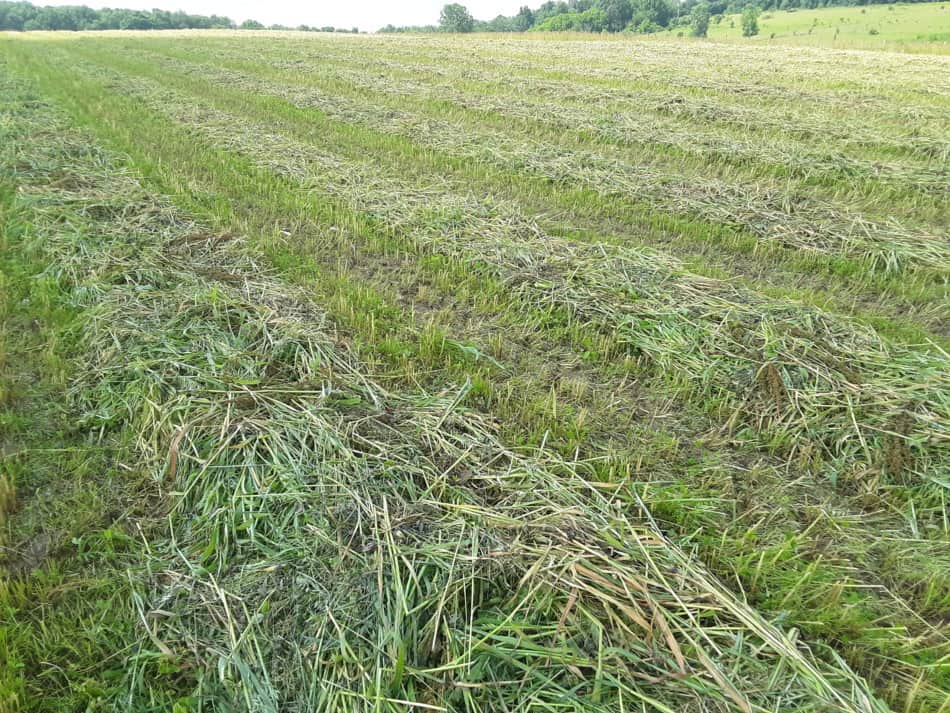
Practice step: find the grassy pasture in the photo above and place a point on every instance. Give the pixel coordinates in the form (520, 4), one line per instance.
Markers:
(910, 28)
(404, 373)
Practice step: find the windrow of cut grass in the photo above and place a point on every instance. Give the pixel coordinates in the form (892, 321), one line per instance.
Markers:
(648, 79)
(773, 214)
(681, 127)
(832, 576)
(766, 72)
(822, 387)
(336, 545)
(849, 85)
(896, 170)
(898, 305)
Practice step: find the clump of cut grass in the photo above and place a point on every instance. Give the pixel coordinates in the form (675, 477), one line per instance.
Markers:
(333, 545)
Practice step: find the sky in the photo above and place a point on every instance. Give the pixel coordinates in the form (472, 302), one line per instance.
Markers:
(368, 15)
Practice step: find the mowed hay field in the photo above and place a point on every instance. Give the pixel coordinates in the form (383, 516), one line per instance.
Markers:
(428, 373)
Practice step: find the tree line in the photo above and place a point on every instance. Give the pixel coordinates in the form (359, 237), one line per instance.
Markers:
(25, 17)
(622, 15)
(553, 16)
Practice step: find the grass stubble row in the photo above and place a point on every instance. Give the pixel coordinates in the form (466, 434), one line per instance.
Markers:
(775, 216)
(909, 544)
(332, 544)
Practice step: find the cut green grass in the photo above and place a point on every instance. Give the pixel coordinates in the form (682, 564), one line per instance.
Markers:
(693, 346)
(774, 214)
(604, 218)
(405, 313)
(336, 545)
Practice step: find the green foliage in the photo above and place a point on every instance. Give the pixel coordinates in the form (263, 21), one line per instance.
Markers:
(23, 16)
(617, 13)
(592, 20)
(653, 13)
(699, 20)
(524, 20)
(639, 16)
(750, 21)
(456, 18)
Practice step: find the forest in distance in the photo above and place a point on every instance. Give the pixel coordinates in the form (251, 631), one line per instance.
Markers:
(636, 16)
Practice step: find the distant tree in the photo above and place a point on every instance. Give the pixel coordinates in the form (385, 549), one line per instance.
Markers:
(501, 23)
(161, 20)
(750, 21)
(135, 20)
(456, 18)
(618, 12)
(699, 20)
(592, 20)
(524, 20)
(651, 13)
(251, 25)
(24, 16)
(219, 22)
(550, 9)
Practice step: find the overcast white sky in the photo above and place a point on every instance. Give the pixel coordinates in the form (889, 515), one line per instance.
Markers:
(366, 14)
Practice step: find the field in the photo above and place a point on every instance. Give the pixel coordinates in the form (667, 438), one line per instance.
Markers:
(923, 27)
(347, 373)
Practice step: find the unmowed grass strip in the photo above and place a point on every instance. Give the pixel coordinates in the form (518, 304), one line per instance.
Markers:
(335, 545)
(208, 166)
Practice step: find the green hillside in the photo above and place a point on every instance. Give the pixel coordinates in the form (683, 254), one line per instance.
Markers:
(920, 27)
